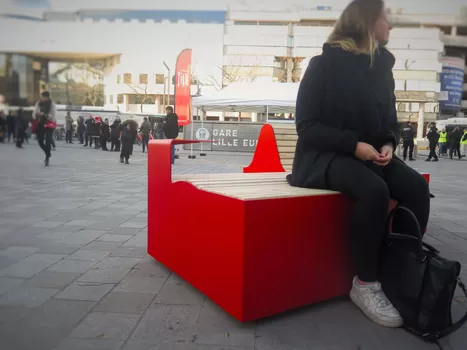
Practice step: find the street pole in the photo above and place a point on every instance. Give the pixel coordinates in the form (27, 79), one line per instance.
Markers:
(169, 83)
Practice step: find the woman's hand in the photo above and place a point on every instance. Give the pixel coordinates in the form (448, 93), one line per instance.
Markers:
(366, 152)
(386, 156)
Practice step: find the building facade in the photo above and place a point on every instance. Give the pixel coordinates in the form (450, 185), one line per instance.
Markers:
(125, 59)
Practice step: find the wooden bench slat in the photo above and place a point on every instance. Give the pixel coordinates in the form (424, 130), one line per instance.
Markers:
(286, 143)
(286, 156)
(286, 137)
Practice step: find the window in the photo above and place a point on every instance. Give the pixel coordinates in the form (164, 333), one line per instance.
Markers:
(111, 99)
(160, 78)
(118, 78)
(119, 98)
(127, 78)
(143, 78)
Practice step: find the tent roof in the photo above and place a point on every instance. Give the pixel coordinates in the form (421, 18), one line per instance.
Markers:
(251, 97)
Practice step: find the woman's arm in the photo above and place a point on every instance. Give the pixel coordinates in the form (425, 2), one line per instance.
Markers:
(310, 119)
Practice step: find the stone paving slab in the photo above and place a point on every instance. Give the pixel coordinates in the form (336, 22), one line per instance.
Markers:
(74, 273)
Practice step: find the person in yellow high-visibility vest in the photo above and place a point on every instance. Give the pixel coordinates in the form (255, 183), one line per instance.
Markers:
(464, 144)
(443, 140)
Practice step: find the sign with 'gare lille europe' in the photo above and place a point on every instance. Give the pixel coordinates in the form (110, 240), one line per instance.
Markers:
(232, 137)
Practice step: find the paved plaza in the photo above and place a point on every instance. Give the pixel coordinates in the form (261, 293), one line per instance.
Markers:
(74, 273)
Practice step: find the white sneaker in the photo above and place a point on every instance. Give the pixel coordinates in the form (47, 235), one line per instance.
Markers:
(375, 304)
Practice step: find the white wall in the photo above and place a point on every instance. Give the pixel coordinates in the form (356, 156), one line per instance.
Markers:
(417, 50)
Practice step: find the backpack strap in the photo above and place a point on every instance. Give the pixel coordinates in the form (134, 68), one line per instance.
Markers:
(452, 328)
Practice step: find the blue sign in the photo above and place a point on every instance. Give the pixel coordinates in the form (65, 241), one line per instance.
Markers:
(452, 81)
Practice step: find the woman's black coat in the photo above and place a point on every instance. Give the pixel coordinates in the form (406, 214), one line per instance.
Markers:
(342, 99)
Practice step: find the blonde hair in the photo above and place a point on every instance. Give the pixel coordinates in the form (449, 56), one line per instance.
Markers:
(353, 31)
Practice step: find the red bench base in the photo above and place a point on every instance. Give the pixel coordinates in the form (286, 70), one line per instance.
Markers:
(253, 258)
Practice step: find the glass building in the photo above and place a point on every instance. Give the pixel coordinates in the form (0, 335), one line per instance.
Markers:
(22, 78)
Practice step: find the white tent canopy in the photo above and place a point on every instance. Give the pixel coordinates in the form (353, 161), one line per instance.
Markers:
(251, 97)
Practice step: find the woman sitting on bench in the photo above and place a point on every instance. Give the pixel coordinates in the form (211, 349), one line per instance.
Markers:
(347, 132)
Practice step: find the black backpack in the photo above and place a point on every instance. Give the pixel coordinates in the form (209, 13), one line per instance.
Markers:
(420, 283)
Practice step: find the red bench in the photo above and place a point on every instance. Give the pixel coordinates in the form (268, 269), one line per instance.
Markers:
(253, 244)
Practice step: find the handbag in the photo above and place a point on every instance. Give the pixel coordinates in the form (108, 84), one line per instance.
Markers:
(419, 282)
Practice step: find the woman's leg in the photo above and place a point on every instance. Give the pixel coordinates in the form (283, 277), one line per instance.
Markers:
(410, 189)
(371, 195)
(371, 204)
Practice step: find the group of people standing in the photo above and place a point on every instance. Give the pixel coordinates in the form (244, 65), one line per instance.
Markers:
(122, 136)
(453, 143)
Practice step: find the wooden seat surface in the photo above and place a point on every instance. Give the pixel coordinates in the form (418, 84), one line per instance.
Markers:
(249, 186)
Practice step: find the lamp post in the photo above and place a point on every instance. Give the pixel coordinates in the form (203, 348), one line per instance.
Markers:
(169, 82)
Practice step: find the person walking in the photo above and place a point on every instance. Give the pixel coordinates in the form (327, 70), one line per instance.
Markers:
(347, 129)
(408, 135)
(81, 129)
(105, 134)
(464, 144)
(69, 128)
(45, 114)
(170, 127)
(145, 129)
(443, 139)
(456, 137)
(115, 135)
(433, 137)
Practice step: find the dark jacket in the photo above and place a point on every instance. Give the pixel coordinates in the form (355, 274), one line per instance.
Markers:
(455, 137)
(115, 129)
(105, 131)
(145, 128)
(342, 101)
(433, 136)
(81, 127)
(170, 126)
(89, 125)
(96, 129)
(408, 133)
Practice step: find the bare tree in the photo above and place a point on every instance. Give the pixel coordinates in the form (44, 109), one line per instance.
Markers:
(141, 90)
(236, 72)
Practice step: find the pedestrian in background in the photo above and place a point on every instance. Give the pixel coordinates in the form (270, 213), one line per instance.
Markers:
(115, 135)
(464, 144)
(145, 129)
(69, 128)
(170, 127)
(81, 129)
(11, 125)
(45, 114)
(433, 137)
(408, 135)
(456, 137)
(443, 139)
(22, 124)
(89, 128)
(105, 134)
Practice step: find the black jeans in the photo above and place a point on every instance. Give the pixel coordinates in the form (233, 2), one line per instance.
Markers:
(455, 148)
(432, 153)
(408, 145)
(104, 143)
(145, 140)
(69, 136)
(371, 187)
(44, 138)
(20, 133)
(81, 138)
